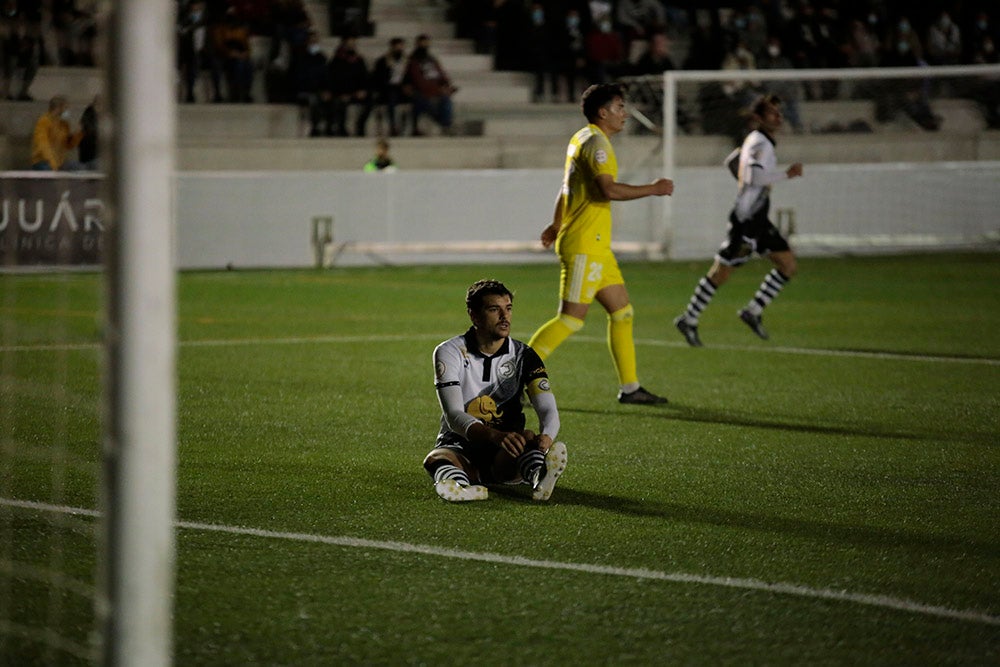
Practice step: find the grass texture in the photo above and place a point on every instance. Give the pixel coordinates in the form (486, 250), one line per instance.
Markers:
(825, 497)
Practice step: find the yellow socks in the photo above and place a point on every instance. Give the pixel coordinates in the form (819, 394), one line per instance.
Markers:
(622, 345)
(554, 332)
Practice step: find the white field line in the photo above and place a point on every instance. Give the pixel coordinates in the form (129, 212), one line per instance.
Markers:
(388, 338)
(883, 601)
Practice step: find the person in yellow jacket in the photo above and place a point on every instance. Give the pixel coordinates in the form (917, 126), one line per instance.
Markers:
(53, 138)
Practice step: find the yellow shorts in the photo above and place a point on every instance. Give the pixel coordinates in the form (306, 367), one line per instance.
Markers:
(583, 276)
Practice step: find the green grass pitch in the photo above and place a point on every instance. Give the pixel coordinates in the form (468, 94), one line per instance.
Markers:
(827, 497)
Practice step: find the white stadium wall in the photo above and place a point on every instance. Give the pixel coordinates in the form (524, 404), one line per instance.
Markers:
(263, 219)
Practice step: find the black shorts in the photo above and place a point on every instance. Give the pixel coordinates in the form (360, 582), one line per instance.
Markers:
(480, 455)
(757, 235)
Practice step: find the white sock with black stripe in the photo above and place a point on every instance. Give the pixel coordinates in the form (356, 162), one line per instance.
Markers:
(448, 471)
(529, 463)
(703, 293)
(768, 290)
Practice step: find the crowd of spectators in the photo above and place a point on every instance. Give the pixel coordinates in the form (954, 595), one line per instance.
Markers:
(570, 43)
(566, 44)
(339, 91)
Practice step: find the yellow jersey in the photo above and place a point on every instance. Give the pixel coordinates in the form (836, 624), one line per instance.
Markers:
(586, 213)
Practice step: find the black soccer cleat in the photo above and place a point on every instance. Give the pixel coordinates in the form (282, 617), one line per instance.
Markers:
(640, 397)
(754, 322)
(689, 331)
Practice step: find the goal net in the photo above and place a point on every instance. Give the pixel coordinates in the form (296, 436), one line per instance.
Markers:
(87, 335)
(895, 159)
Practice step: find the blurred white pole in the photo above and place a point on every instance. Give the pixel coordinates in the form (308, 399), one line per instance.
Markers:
(140, 431)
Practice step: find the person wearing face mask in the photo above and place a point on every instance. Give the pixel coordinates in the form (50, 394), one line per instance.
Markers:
(605, 49)
(570, 55)
(53, 138)
(540, 52)
(788, 90)
(387, 82)
(309, 79)
(903, 49)
(944, 41)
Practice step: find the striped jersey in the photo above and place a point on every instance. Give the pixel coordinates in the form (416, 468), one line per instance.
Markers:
(758, 169)
(491, 385)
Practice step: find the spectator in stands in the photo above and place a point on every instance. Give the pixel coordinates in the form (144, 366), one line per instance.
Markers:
(74, 25)
(944, 41)
(706, 49)
(90, 141)
(862, 45)
(309, 78)
(811, 42)
(737, 93)
(656, 58)
(20, 46)
(290, 29)
(638, 19)
(349, 87)
(232, 44)
(196, 51)
(984, 52)
(541, 44)
(388, 77)
(982, 40)
(903, 49)
(507, 22)
(431, 87)
(570, 52)
(605, 49)
(53, 138)
(382, 160)
(788, 90)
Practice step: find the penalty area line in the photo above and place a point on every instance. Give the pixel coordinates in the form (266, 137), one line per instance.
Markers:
(780, 588)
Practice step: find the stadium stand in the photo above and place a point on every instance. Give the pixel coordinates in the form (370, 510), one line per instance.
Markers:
(497, 125)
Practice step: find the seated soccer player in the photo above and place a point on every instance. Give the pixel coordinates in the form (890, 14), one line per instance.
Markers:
(480, 377)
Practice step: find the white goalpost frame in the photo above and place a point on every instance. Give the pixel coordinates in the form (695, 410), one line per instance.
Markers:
(135, 584)
(672, 77)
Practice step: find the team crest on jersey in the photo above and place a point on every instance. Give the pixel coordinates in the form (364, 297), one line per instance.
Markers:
(506, 369)
(601, 156)
(440, 369)
(484, 408)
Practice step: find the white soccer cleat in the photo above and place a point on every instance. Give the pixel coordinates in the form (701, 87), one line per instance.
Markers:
(454, 492)
(555, 464)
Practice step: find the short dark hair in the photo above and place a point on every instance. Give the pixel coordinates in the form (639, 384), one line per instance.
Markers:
(760, 103)
(597, 96)
(481, 288)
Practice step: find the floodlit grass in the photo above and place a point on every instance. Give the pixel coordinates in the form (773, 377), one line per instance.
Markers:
(854, 455)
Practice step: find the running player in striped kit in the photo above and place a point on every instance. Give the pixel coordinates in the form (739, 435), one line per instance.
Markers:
(754, 165)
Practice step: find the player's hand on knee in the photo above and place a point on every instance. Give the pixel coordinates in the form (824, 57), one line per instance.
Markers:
(512, 443)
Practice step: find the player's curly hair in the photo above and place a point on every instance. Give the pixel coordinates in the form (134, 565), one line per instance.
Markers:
(759, 105)
(598, 95)
(481, 288)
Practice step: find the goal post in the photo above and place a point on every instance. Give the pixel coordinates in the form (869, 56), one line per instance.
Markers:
(136, 581)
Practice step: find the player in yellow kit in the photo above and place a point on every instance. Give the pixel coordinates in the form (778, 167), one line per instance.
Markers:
(581, 231)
